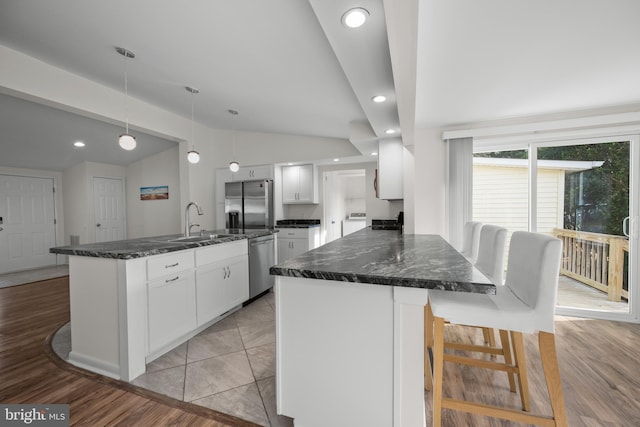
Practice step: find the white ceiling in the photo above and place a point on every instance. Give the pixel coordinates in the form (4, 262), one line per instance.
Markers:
(495, 59)
(270, 60)
(289, 66)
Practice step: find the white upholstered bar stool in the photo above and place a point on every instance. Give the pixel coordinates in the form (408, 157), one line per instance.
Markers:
(471, 240)
(490, 260)
(525, 304)
(470, 247)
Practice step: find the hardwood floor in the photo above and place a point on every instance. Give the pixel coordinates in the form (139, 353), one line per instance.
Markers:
(599, 363)
(31, 373)
(599, 367)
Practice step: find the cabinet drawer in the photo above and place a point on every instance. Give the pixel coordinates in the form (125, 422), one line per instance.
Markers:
(293, 233)
(168, 264)
(221, 251)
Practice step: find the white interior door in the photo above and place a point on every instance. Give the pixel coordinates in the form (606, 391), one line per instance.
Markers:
(108, 209)
(332, 219)
(27, 222)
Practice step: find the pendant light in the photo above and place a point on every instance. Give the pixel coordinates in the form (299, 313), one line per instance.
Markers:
(234, 166)
(126, 141)
(192, 155)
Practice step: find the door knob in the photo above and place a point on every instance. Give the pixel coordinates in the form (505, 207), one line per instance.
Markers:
(98, 225)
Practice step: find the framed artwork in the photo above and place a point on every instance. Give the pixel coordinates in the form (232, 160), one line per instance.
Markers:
(159, 192)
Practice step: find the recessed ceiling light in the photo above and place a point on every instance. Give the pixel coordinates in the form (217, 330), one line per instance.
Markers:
(289, 164)
(356, 17)
(389, 131)
(336, 160)
(79, 144)
(374, 154)
(379, 98)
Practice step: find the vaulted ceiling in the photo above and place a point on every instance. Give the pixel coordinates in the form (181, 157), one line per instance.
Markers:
(289, 66)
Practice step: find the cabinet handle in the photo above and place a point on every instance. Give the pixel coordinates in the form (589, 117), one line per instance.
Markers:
(229, 276)
(172, 280)
(171, 265)
(225, 272)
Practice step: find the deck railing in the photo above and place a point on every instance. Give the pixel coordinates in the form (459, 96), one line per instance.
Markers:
(594, 259)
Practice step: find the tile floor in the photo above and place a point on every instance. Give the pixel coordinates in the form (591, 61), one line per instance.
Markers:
(229, 367)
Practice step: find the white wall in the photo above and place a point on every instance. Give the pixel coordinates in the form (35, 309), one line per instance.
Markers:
(429, 184)
(154, 217)
(78, 197)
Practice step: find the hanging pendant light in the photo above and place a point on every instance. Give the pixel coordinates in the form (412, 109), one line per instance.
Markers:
(234, 166)
(126, 141)
(192, 155)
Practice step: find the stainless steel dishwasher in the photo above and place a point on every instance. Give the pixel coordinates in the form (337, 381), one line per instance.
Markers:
(261, 258)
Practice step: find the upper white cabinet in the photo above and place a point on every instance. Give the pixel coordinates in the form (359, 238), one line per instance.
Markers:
(248, 173)
(299, 184)
(390, 170)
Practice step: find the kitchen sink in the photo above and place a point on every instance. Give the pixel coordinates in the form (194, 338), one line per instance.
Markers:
(201, 238)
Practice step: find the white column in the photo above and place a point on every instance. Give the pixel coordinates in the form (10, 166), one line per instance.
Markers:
(408, 351)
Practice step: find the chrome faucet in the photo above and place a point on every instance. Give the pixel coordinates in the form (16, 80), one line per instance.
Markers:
(187, 225)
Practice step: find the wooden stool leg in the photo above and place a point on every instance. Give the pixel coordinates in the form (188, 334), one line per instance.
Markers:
(428, 336)
(489, 337)
(506, 352)
(520, 361)
(549, 358)
(438, 367)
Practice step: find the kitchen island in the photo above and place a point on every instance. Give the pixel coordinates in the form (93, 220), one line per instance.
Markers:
(133, 300)
(349, 326)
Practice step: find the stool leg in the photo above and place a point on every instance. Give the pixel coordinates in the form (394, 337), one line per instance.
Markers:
(506, 352)
(438, 367)
(428, 343)
(520, 361)
(549, 358)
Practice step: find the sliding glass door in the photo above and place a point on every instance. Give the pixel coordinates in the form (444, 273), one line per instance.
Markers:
(582, 192)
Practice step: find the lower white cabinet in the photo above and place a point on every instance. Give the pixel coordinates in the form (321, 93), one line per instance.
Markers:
(221, 286)
(171, 308)
(295, 241)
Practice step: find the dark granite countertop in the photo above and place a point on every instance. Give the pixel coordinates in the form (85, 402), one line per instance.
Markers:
(297, 223)
(147, 246)
(386, 257)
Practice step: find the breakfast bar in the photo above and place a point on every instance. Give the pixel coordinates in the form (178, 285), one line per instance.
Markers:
(349, 326)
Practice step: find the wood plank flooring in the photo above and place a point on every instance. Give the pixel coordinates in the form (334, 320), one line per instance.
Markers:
(599, 367)
(31, 373)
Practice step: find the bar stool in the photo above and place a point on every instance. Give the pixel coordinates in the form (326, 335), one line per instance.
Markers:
(471, 240)
(471, 235)
(490, 261)
(525, 304)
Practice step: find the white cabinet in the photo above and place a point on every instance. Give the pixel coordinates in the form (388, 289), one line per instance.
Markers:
(171, 308)
(299, 184)
(247, 173)
(222, 279)
(390, 170)
(295, 241)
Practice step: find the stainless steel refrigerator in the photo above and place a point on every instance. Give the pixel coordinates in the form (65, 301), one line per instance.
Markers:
(249, 204)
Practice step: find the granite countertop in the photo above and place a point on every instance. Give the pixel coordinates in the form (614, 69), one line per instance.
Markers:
(384, 257)
(297, 223)
(147, 246)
